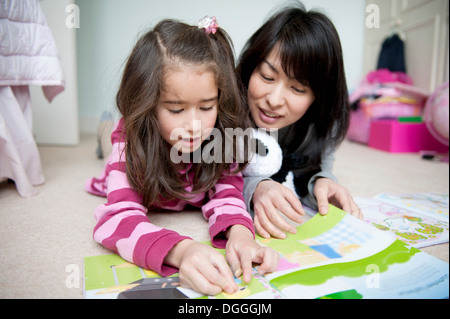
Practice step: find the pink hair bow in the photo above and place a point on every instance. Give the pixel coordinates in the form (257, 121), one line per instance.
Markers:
(209, 24)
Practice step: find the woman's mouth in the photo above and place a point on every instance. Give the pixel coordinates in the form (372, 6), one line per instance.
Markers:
(269, 114)
(268, 117)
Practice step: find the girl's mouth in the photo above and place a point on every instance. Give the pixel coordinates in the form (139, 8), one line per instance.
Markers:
(191, 141)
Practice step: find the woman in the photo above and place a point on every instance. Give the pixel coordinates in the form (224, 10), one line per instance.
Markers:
(292, 73)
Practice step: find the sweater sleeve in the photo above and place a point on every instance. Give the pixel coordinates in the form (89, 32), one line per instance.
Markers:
(250, 184)
(225, 208)
(122, 223)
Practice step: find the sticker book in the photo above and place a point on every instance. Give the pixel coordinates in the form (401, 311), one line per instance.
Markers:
(418, 219)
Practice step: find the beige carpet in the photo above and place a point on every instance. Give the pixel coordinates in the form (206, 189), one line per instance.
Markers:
(43, 239)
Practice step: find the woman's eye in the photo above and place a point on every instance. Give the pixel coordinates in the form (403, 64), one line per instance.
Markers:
(209, 108)
(176, 111)
(298, 90)
(266, 78)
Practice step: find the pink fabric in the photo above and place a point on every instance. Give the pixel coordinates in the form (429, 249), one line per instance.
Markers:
(28, 56)
(383, 94)
(19, 156)
(386, 76)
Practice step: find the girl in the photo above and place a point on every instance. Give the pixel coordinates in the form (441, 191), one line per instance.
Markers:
(292, 73)
(178, 85)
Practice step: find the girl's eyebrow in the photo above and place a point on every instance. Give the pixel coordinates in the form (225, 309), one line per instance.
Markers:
(180, 102)
(172, 102)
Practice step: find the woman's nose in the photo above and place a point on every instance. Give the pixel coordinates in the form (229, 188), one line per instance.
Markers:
(275, 97)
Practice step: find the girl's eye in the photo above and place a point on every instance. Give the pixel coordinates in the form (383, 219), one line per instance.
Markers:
(207, 108)
(176, 111)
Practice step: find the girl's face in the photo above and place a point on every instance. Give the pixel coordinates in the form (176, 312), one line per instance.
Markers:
(187, 110)
(276, 100)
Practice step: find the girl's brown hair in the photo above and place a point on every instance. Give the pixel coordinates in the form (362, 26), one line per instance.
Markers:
(150, 170)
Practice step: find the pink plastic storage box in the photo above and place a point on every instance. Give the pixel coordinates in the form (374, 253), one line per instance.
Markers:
(399, 137)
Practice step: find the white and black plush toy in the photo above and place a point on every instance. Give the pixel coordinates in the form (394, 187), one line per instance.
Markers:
(267, 160)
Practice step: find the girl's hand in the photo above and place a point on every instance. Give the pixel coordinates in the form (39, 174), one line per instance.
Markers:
(269, 198)
(242, 250)
(201, 268)
(328, 191)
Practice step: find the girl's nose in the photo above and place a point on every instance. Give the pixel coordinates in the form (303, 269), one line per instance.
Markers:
(192, 122)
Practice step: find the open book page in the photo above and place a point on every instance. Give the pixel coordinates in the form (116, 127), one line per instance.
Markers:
(431, 204)
(339, 256)
(411, 227)
(107, 276)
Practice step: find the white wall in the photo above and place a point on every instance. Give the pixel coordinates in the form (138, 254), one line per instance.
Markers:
(57, 123)
(109, 29)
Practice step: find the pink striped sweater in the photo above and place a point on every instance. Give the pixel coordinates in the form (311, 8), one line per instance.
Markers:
(122, 224)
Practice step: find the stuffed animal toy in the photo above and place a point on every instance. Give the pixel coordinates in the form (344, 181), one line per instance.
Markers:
(268, 161)
(267, 158)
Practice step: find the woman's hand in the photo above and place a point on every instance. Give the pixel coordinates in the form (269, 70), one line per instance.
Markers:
(269, 199)
(242, 250)
(201, 268)
(328, 191)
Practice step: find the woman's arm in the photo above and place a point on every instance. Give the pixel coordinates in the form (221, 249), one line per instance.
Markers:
(250, 184)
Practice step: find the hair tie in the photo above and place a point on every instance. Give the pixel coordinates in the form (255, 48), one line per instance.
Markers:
(209, 24)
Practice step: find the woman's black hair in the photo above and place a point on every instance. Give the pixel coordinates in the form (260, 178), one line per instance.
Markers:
(310, 52)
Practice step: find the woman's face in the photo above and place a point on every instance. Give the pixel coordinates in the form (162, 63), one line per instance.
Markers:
(276, 100)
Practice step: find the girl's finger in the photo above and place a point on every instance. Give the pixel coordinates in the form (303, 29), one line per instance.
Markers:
(246, 265)
(223, 277)
(269, 262)
(195, 280)
(233, 261)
